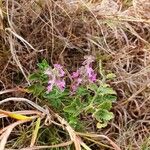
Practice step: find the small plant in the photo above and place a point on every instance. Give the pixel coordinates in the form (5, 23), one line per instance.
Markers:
(87, 95)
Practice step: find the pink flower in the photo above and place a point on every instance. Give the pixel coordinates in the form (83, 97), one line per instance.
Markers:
(93, 78)
(60, 70)
(75, 74)
(74, 87)
(57, 66)
(48, 72)
(60, 84)
(76, 84)
(49, 88)
(88, 60)
(85, 74)
(50, 85)
(91, 74)
(55, 77)
(89, 71)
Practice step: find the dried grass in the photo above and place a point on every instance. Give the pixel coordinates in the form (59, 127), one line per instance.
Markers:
(115, 31)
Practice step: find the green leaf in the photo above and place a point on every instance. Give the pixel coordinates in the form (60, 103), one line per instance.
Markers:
(102, 99)
(103, 115)
(74, 108)
(106, 90)
(36, 89)
(81, 91)
(89, 110)
(55, 94)
(74, 122)
(99, 99)
(101, 125)
(110, 76)
(55, 97)
(93, 87)
(43, 65)
(34, 77)
(111, 98)
(70, 109)
(39, 77)
(56, 103)
(105, 105)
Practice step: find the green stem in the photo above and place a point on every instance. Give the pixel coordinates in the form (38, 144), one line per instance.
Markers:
(92, 101)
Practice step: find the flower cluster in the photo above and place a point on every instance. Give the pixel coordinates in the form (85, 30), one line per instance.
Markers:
(85, 74)
(56, 78)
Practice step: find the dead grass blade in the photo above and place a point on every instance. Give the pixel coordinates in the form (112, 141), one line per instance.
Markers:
(35, 132)
(76, 140)
(99, 136)
(45, 147)
(15, 57)
(18, 99)
(23, 112)
(7, 132)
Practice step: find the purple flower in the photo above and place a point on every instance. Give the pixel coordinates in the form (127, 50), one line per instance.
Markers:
(49, 88)
(89, 71)
(88, 60)
(76, 84)
(48, 72)
(93, 77)
(75, 74)
(60, 84)
(60, 70)
(50, 85)
(55, 77)
(58, 66)
(84, 75)
(74, 87)
(91, 74)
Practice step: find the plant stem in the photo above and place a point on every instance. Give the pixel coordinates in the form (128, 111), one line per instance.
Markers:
(92, 101)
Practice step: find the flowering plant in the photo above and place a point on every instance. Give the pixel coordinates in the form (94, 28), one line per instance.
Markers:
(87, 95)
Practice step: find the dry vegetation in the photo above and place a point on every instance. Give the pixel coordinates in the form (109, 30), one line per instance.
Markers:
(115, 31)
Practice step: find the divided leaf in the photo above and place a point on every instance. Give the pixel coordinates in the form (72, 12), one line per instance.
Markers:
(36, 89)
(110, 76)
(105, 105)
(43, 65)
(101, 125)
(34, 77)
(103, 90)
(103, 115)
(74, 108)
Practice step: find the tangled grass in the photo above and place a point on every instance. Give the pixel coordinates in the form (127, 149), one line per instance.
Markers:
(114, 31)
